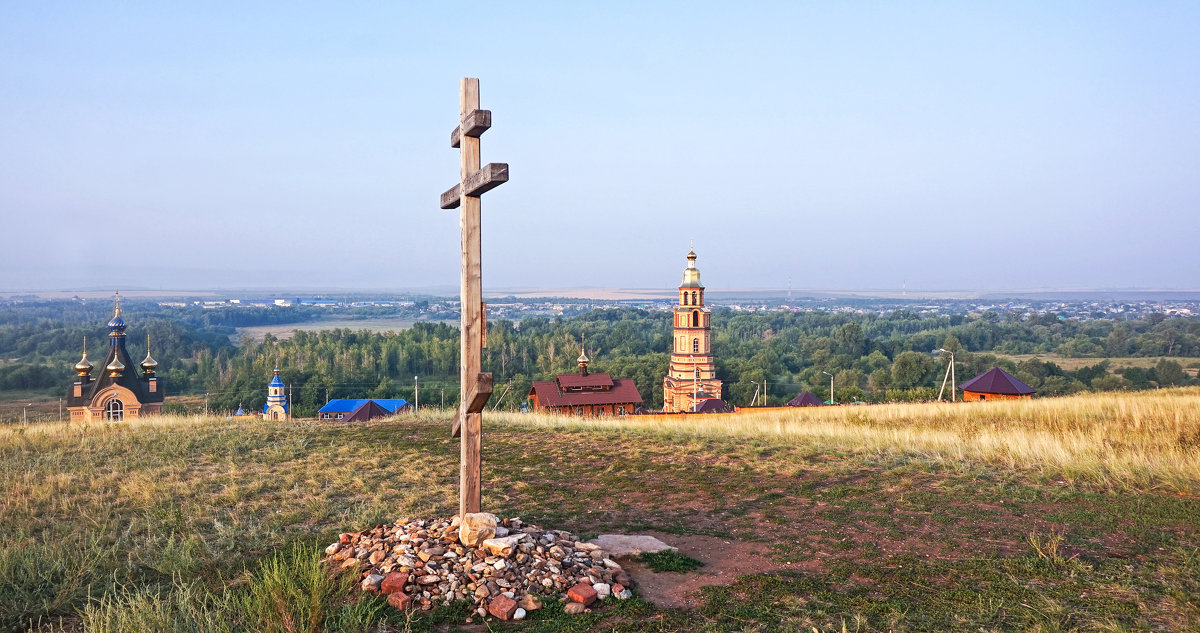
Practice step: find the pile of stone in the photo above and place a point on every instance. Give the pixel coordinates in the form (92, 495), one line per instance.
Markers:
(505, 567)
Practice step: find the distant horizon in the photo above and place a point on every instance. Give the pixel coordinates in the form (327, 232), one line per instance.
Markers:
(611, 293)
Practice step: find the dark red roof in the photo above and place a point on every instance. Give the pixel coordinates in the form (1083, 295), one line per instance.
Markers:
(623, 391)
(997, 381)
(712, 405)
(805, 399)
(601, 379)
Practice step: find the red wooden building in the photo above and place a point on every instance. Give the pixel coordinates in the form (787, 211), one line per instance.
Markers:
(585, 394)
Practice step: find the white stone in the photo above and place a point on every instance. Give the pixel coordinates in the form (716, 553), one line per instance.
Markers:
(519, 614)
(503, 546)
(477, 527)
(602, 589)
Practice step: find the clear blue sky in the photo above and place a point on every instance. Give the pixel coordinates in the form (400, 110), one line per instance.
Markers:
(846, 145)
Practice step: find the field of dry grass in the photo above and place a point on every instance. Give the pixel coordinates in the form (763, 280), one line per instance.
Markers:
(1139, 440)
(1071, 514)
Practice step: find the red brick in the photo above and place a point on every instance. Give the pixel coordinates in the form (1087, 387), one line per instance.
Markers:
(502, 607)
(394, 582)
(582, 593)
(400, 600)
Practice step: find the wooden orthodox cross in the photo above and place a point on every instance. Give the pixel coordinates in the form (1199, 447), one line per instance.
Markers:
(476, 386)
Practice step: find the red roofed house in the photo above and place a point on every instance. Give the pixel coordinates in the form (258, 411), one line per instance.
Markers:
(805, 399)
(995, 384)
(585, 394)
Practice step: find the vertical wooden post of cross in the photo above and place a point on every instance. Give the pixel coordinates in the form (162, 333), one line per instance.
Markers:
(475, 386)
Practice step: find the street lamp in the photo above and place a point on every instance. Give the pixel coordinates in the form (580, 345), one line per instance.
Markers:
(24, 417)
(949, 374)
(416, 395)
(830, 386)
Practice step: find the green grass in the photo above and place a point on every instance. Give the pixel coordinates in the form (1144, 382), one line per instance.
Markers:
(213, 525)
(669, 560)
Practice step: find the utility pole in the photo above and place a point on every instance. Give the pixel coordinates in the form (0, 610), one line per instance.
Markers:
(24, 414)
(695, 382)
(831, 401)
(949, 374)
(289, 411)
(60, 409)
(206, 404)
(765, 401)
(416, 395)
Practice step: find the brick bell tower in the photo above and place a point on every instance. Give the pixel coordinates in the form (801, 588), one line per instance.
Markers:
(692, 376)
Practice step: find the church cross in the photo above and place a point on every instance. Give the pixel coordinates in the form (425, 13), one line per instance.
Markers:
(475, 386)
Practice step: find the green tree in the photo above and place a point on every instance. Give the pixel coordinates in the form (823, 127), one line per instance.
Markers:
(1169, 373)
(911, 369)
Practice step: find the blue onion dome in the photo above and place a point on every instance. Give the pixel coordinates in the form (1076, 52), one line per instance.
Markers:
(117, 324)
(276, 381)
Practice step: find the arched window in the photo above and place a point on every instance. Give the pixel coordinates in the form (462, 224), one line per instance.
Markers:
(694, 298)
(685, 298)
(695, 318)
(696, 345)
(114, 410)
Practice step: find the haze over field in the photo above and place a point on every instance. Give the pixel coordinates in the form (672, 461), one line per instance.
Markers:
(948, 147)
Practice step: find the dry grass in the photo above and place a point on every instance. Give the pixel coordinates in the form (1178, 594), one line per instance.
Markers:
(1141, 440)
(152, 524)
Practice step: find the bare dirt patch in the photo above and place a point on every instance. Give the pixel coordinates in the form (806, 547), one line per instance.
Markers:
(724, 560)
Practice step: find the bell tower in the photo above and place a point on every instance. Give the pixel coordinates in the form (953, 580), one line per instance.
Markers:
(692, 376)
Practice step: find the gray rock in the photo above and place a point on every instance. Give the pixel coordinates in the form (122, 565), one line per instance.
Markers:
(629, 544)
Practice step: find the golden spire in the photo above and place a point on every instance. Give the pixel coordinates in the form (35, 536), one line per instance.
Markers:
(583, 359)
(149, 364)
(691, 274)
(84, 366)
(117, 301)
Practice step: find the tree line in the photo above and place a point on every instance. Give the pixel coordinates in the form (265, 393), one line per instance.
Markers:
(873, 357)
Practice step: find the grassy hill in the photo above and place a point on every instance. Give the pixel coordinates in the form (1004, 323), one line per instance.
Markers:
(1060, 514)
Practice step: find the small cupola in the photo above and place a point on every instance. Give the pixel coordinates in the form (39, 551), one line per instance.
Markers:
(149, 364)
(84, 366)
(691, 274)
(117, 325)
(583, 359)
(115, 368)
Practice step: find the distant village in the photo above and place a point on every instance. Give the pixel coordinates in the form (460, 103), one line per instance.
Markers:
(689, 386)
(438, 308)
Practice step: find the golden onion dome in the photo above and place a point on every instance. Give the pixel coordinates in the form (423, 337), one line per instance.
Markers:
(691, 274)
(149, 364)
(116, 367)
(84, 366)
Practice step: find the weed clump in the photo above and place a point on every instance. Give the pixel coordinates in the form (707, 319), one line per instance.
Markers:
(669, 560)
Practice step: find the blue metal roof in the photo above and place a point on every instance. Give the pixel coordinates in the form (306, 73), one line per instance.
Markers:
(391, 404)
(342, 406)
